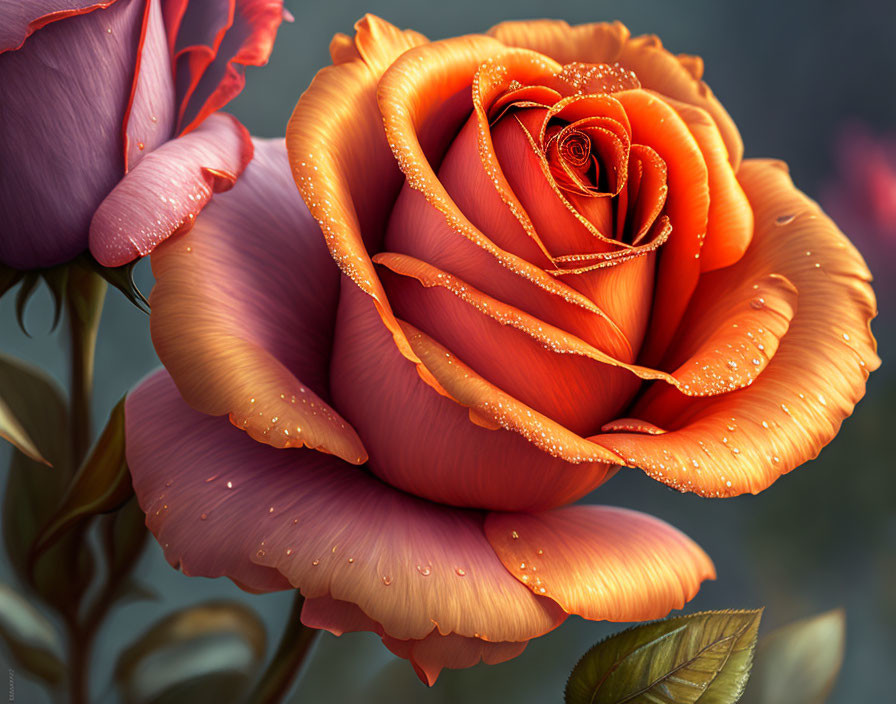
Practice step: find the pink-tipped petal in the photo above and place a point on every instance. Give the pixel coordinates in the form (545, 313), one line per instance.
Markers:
(191, 491)
(243, 311)
(165, 192)
(62, 101)
(215, 500)
(600, 562)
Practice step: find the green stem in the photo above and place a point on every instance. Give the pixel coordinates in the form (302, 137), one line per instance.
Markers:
(294, 645)
(85, 292)
(83, 306)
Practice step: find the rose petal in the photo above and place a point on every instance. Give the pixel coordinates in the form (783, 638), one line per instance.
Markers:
(745, 440)
(655, 67)
(70, 69)
(379, 43)
(725, 344)
(19, 20)
(149, 120)
(430, 226)
(441, 454)
(730, 334)
(435, 652)
(330, 528)
(541, 366)
(730, 220)
(586, 43)
(186, 474)
(243, 308)
(599, 562)
(428, 656)
(195, 33)
(351, 203)
(657, 125)
(248, 42)
(420, 230)
(165, 192)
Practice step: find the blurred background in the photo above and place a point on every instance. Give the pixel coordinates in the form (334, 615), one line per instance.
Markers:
(808, 82)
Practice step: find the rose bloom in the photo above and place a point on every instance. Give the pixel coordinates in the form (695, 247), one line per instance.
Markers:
(107, 131)
(554, 263)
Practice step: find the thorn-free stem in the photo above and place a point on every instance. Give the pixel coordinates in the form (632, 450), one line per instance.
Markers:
(295, 644)
(85, 293)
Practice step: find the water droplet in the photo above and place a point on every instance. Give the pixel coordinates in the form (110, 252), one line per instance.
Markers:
(425, 571)
(230, 485)
(315, 563)
(460, 571)
(784, 219)
(387, 580)
(203, 516)
(141, 146)
(351, 560)
(514, 535)
(522, 565)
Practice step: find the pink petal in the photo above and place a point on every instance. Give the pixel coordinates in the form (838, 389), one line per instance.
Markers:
(215, 500)
(149, 120)
(19, 20)
(262, 358)
(166, 191)
(428, 655)
(62, 102)
(600, 562)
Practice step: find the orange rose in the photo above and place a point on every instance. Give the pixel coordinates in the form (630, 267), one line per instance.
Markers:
(556, 264)
(556, 226)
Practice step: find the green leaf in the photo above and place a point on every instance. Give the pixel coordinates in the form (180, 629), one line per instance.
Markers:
(704, 657)
(798, 664)
(101, 485)
(12, 430)
(31, 639)
(202, 653)
(34, 490)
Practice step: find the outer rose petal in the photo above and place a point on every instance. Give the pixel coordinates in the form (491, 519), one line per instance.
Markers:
(71, 69)
(19, 20)
(349, 184)
(428, 656)
(248, 42)
(427, 445)
(745, 440)
(599, 562)
(242, 314)
(165, 192)
(413, 566)
(657, 69)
